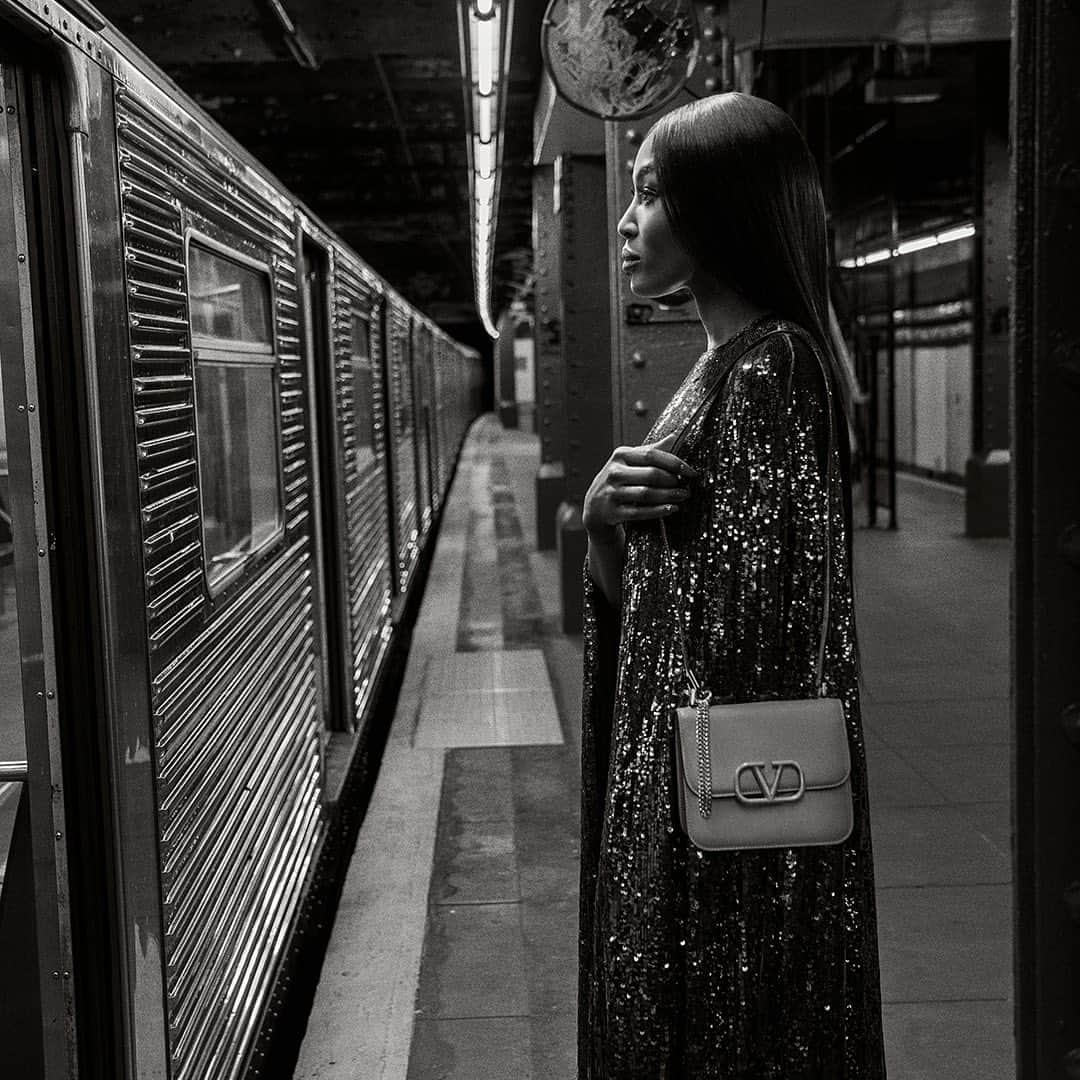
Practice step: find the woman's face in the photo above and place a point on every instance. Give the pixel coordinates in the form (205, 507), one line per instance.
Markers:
(654, 260)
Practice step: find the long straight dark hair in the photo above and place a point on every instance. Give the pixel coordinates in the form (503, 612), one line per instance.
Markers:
(742, 193)
(741, 190)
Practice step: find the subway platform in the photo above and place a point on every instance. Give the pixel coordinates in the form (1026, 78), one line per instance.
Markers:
(454, 951)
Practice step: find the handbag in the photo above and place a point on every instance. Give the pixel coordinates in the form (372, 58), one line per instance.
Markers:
(763, 774)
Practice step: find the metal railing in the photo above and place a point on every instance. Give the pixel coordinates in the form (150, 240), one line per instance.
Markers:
(13, 772)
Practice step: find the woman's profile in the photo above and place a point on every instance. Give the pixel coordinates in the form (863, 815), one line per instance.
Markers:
(755, 964)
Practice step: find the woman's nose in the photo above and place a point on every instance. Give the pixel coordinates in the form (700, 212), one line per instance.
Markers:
(627, 227)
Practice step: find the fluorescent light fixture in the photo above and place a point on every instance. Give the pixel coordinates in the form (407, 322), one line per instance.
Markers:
(485, 55)
(961, 232)
(877, 256)
(484, 157)
(906, 247)
(483, 26)
(484, 108)
(920, 243)
(484, 190)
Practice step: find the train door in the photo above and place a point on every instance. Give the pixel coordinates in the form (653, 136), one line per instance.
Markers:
(393, 353)
(58, 948)
(328, 510)
(420, 364)
(428, 413)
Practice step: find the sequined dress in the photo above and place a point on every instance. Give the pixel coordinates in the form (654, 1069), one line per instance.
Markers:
(747, 965)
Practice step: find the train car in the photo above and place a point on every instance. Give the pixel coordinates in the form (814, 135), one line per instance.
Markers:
(221, 463)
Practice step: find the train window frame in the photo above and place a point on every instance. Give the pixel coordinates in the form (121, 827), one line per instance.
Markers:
(366, 453)
(245, 355)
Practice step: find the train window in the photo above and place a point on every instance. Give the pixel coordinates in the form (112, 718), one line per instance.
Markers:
(236, 412)
(363, 389)
(228, 300)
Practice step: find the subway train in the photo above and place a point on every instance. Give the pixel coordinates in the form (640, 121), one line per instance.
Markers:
(224, 445)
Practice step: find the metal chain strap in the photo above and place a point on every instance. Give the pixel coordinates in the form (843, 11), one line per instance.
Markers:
(704, 753)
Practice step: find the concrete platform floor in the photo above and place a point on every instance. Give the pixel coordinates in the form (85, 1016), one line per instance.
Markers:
(454, 951)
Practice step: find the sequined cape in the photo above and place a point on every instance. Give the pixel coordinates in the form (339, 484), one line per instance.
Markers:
(747, 965)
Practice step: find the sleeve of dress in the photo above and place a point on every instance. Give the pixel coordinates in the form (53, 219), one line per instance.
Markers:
(601, 648)
(766, 526)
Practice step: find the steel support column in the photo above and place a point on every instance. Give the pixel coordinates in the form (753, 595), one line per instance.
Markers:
(987, 471)
(585, 257)
(550, 390)
(1046, 529)
(505, 364)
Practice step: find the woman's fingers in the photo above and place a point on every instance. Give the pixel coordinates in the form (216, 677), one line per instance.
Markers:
(644, 513)
(634, 494)
(654, 454)
(644, 476)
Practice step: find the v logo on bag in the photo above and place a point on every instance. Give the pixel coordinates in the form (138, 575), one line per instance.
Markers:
(765, 792)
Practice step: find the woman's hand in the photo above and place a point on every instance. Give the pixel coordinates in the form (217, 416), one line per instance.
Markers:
(638, 483)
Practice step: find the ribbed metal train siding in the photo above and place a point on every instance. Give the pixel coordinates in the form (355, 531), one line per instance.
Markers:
(235, 717)
(422, 390)
(403, 434)
(436, 492)
(367, 539)
(442, 374)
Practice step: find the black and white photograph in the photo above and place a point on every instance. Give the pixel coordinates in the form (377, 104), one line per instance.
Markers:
(538, 540)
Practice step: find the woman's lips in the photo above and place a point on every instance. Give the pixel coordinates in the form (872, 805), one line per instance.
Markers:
(629, 261)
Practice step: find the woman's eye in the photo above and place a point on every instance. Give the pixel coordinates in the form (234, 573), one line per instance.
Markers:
(645, 195)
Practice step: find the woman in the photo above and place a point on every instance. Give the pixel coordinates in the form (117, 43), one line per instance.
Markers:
(749, 965)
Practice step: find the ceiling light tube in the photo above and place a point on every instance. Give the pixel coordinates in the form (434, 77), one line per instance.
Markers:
(484, 108)
(484, 156)
(907, 247)
(485, 8)
(961, 232)
(876, 256)
(920, 243)
(485, 56)
(485, 188)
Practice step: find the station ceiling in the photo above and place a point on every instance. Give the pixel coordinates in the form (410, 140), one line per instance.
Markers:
(373, 137)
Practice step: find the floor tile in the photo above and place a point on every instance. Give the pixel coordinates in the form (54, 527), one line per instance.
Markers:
(496, 669)
(475, 863)
(936, 682)
(964, 774)
(474, 1049)
(554, 1046)
(981, 721)
(892, 781)
(992, 821)
(473, 963)
(934, 845)
(549, 931)
(488, 718)
(477, 785)
(945, 944)
(946, 1040)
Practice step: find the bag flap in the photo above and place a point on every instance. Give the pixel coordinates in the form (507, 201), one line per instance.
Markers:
(811, 733)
